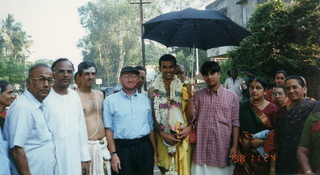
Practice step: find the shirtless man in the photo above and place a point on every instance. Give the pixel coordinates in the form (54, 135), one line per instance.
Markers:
(92, 107)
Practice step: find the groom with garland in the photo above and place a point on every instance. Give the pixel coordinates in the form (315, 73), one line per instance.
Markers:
(170, 122)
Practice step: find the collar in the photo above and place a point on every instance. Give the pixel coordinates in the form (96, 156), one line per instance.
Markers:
(133, 95)
(218, 91)
(34, 102)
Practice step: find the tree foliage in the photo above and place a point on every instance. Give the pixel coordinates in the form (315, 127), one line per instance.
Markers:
(14, 44)
(283, 37)
(113, 38)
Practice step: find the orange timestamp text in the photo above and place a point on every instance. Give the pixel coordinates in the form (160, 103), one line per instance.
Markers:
(253, 158)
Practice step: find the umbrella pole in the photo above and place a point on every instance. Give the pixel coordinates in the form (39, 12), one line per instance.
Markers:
(192, 67)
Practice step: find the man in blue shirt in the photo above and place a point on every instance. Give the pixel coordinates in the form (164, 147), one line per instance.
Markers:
(127, 117)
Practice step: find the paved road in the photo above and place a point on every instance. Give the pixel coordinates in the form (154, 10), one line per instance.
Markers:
(156, 171)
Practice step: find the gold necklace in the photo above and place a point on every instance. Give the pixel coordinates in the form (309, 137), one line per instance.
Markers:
(257, 104)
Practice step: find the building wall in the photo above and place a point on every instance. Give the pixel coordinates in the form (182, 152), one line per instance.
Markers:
(238, 11)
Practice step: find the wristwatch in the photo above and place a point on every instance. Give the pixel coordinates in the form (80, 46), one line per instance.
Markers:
(112, 153)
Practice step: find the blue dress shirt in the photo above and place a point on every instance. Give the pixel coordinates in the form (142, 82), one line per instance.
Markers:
(128, 118)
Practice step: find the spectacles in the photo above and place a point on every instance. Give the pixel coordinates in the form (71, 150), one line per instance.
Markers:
(128, 76)
(43, 79)
(62, 72)
(277, 93)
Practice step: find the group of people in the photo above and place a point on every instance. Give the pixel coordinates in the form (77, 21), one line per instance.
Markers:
(52, 129)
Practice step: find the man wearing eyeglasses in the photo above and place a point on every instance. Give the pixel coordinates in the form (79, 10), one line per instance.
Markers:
(66, 120)
(30, 140)
(129, 127)
(92, 107)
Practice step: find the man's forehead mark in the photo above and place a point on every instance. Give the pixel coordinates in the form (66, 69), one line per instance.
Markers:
(90, 69)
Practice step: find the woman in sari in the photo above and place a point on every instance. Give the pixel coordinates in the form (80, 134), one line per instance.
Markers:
(309, 147)
(6, 98)
(290, 120)
(254, 120)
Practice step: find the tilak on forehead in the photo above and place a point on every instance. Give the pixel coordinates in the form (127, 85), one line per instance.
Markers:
(90, 69)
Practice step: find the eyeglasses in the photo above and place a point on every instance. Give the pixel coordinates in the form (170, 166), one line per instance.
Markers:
(43, 79)
(277, 93)
(62, 72)
(130, 76)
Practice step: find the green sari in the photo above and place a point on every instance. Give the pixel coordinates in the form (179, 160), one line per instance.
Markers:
(310, 138)
(252, 121)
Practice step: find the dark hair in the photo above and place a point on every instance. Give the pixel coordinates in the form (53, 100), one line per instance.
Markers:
(85, 65)
(300, 80)
(235, 69)
(60, 60)
(3, 86)
(278, 86)
(75, 75)
(36, 66)
(180, 65)
(261, 81)
(209, 66)
(141, 68)
(168, 57)
(282, 72)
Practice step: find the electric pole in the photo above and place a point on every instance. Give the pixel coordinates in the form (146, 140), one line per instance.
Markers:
(141, 22)
(142, 40)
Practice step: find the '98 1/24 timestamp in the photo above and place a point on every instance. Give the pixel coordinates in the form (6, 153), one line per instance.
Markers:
(253, 158)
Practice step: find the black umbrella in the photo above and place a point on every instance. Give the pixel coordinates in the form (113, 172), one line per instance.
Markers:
(203, 29)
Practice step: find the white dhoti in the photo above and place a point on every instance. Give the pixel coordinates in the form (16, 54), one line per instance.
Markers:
(204, 169)
(99, 153)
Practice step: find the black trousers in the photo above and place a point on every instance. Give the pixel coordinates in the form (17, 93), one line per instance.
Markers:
(136, 156)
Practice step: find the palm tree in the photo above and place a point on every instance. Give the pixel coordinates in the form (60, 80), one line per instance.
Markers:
(13, 41)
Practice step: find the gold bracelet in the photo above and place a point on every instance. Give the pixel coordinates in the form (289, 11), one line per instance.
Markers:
(272, 170)
(308, 172)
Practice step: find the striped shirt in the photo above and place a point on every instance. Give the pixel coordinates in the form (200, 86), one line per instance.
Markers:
(216, 113)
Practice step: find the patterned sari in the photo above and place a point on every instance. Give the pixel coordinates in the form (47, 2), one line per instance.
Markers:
(288, 130)
(252, 121)
(310, 138)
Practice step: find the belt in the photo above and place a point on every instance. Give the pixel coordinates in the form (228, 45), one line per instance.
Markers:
(101, 142)
(137, 140)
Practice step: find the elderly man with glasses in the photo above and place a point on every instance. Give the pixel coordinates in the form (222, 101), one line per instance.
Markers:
(30, 140)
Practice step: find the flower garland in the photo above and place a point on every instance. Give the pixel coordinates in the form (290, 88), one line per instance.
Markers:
(162, 104)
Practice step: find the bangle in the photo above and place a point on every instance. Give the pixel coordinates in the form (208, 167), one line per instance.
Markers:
(272, 170)
(308, 172)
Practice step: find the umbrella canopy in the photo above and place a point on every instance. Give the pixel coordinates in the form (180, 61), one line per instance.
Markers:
(203, 29)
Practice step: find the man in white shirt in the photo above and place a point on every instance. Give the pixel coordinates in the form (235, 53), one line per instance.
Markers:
(236, 84)
(66, 120)
(30, 140)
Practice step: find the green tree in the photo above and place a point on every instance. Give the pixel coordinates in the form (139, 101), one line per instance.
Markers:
(113, 39)
(14, 44)
(283, 37)
(13, 40)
